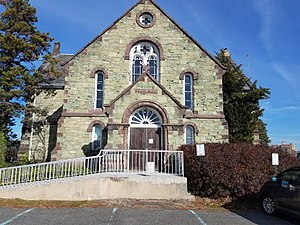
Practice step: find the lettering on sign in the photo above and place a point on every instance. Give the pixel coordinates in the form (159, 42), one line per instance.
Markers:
(146, 91)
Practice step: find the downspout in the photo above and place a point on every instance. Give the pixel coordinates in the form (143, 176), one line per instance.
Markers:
(31, 132)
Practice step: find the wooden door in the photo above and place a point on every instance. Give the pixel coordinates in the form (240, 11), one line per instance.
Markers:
(138, 139)
(142, 139)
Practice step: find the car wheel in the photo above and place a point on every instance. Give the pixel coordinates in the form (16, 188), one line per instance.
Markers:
(268, 205)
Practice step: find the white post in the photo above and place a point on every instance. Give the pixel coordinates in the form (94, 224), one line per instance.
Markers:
(31, 132)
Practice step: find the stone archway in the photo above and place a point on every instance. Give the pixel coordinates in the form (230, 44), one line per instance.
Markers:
(145, 130)
(145, 139)
(161, 112)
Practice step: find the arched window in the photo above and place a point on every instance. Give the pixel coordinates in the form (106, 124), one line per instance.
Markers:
(189, 135)
(145, 117)
(137, 67)
(188, 90)
(141, 55)
(153, 69)
(97, 137)
(99, 90)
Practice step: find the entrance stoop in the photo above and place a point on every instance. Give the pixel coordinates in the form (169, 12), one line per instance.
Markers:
(104, 186)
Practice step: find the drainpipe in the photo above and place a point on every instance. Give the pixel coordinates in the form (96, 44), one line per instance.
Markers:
(31, 132)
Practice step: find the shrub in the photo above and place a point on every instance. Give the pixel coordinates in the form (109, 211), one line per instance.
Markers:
(231, 170)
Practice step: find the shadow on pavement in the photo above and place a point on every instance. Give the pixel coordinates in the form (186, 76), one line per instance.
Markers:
(249, 208)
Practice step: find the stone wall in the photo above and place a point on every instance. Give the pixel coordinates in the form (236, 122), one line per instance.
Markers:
(109, 52)
(42, 140)
(74, 136)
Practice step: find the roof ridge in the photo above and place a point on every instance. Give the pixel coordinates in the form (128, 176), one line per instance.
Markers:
(162, 11)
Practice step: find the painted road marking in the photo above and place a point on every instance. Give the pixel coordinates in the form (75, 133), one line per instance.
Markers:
(15, 217)
(112, 216)
(198, 217)
(114, 211)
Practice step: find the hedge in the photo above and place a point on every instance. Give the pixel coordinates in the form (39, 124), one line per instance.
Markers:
(231, 170)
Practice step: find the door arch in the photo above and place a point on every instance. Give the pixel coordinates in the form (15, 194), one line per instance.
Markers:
(145, 130)
(145, 133)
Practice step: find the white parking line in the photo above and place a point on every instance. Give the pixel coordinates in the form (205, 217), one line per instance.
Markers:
(198, 217)
(15, 217)
(112, 216)
(114, 211)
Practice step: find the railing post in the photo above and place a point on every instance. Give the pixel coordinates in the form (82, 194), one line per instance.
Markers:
(117, 161)
(128, 158)
(182, 160)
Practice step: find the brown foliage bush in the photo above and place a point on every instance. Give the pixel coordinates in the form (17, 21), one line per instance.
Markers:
(231, 170)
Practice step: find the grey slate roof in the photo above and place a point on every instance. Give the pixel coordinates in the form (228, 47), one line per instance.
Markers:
(56, 82)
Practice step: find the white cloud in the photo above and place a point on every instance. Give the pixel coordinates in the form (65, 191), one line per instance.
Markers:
(284, 109)
(283, 72)
(288, 108)
(267, 11)
(270, 109)
(289, 73)
(208, 22)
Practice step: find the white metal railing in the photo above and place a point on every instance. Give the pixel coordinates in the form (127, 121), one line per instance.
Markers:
(108, 161)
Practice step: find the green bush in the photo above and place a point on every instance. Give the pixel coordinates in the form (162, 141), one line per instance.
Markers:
(231, 170)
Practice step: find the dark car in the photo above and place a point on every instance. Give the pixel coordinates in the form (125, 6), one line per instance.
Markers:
(282, 193)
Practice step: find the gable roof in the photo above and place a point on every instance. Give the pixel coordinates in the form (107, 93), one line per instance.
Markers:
(145, 74)
(164, 13)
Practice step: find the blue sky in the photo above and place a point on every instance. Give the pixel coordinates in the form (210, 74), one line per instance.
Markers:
(263, 35)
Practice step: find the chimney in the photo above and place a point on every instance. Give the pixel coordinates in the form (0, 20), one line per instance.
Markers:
(56, 49)
(226, 52)
(256, 137)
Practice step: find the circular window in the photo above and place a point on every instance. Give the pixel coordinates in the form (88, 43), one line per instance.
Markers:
(146, 19)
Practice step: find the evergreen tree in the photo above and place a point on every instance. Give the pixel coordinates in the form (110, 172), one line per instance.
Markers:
(22, 47)
(241, 103)
(3, 149)
(264, 138)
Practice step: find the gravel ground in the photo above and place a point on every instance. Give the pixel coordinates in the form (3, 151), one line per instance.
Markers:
(198, 204)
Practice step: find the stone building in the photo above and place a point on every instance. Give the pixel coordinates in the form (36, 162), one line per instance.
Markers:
(289, 148)
(143, 83)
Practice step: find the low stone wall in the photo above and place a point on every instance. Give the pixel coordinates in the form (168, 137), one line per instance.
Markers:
(108, 186)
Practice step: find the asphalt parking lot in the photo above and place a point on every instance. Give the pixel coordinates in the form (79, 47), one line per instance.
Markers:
(127, 216)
